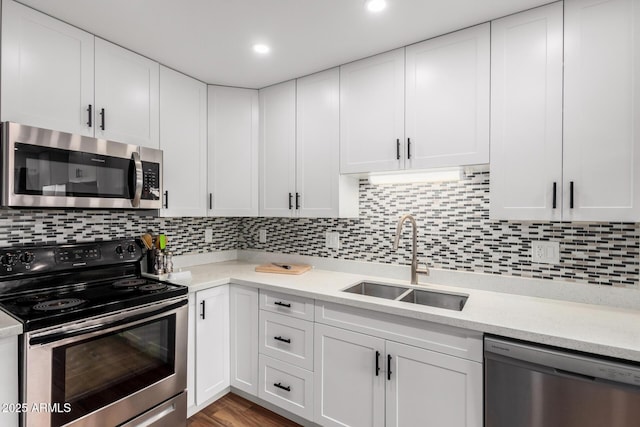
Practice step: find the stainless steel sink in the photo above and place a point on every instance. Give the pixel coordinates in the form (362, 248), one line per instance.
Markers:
(376, 290)
(414, 296)
(436, 299)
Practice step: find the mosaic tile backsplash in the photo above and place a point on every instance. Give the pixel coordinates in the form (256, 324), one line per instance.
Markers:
(185, 235)
(454, 232)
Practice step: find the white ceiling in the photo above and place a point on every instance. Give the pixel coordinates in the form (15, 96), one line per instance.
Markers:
(211, 39)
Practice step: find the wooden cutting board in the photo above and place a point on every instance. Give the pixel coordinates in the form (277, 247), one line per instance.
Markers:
(295, 268)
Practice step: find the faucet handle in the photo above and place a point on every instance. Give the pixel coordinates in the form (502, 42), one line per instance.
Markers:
(424, 270)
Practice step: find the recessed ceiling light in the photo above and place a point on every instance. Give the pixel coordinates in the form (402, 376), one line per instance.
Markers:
(261, 48)
(376, 6)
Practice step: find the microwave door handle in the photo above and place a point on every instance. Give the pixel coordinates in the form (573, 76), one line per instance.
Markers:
(135, 202)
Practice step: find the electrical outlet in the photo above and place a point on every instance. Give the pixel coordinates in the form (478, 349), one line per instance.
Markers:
(208, 235)
(545, 252)
(262, 235)
(332, 240)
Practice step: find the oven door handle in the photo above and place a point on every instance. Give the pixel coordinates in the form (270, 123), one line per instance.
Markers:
(137, 179)
(57, 336)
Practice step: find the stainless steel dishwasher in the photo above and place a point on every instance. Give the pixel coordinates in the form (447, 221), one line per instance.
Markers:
(531, 386)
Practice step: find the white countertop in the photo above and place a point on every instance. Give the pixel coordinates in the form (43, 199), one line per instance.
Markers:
(598, 329)
(9, 326)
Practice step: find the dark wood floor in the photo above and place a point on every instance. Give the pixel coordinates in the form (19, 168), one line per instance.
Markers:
(234, 411)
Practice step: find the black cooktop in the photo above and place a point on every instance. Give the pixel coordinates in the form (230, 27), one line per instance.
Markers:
(65, 283)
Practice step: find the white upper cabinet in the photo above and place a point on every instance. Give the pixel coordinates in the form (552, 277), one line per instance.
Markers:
(277, 149)
(183, 140)
(372, 114)
(526, 115)
(601, 148)
(319, 186)
(299, 149)
(47, 71)
(233, 151)
(126, 96)
(447, 100)
(58, 77)
(445, 121)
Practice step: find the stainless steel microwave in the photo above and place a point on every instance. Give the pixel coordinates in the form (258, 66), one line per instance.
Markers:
(46, 168)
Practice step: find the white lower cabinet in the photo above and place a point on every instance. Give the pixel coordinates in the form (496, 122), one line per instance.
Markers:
(191, 354)
(211, 343)
(366, 380)
(349, 389)
(9, 374)
(286, 352)
(243, 312)
(426, 385)
(286, 386)
(287, 339)
(332, 364)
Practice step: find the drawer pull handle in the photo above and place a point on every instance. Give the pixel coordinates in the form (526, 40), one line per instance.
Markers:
(282, 304)
(287, 340)
(280, 386)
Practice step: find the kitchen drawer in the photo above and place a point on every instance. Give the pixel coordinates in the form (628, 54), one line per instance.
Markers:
(286, 339)
(290, 305)
(286, 386)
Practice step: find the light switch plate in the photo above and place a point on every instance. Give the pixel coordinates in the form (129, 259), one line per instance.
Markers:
(208, 235)
(545, 252)
(262, 235)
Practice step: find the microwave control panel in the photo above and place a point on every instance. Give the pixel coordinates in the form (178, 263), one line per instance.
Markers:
(150, 181)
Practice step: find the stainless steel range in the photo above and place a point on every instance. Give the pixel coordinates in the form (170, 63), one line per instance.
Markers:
(103, 346)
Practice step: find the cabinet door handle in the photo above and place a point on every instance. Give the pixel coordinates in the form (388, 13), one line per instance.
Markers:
(571, 195)
(287, 340)
(290, 201)
(555, 185)
(377, 363)
(279, 385)
(388, 367)
(90, 111)
(102, 126)
(409, 148)
(203, 309)
(282, 304)
(297, 200)
(166, 199)
(398, 149)
(210, 201)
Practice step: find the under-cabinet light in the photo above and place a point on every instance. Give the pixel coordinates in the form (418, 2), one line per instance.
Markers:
(439, 175)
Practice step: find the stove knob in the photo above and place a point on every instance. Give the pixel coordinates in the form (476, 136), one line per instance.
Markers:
(119, 250)
(27, 257)
(131, 249)
(7, 259)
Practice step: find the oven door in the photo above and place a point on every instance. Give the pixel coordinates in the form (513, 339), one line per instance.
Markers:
(106, 371)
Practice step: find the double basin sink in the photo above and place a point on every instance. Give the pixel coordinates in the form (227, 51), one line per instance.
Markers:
(416, 296)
